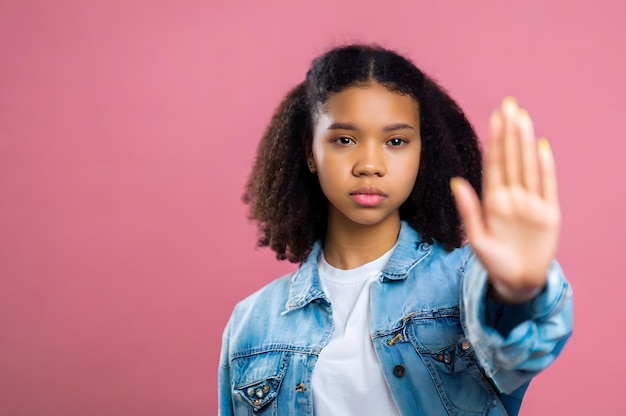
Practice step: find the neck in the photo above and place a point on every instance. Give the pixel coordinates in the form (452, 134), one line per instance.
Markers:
(349, 245)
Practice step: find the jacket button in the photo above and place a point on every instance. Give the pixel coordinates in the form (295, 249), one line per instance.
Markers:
(465, 345)
(399, 371)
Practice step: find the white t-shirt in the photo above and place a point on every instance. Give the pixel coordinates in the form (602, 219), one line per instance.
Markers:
(347, 379)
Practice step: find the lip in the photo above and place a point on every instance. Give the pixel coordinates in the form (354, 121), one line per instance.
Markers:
(368, 190)
(368, 196)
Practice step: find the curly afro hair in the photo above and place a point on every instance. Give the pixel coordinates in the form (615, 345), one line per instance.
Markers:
(286, 200)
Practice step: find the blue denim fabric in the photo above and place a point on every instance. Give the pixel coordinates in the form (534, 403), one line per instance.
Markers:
(443, 348)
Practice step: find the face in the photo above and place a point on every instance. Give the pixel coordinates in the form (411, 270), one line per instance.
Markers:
(366, 148)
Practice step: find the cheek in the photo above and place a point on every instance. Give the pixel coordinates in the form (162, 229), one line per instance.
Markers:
(408, 175)
(329, 165)
(330, 179)
(333, 179)
(408, 164)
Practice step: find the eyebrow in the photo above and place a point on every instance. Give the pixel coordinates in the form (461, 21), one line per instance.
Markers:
(352, 127)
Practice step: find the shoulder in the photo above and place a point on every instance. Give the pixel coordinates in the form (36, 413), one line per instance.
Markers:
(273, 295)
(260, 322)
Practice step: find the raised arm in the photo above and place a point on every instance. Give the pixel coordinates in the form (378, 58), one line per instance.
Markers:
(519, 325)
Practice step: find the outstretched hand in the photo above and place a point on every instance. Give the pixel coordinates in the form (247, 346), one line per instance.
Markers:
(515, 232)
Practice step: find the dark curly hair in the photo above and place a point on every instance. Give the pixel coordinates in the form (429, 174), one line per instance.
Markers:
(286, 200)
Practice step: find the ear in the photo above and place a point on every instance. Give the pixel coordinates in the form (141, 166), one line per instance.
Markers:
(310, 162)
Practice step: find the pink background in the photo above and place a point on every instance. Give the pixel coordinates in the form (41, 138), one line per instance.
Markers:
(127, 129)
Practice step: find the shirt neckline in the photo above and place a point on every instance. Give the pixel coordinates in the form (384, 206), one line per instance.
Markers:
(360, 274)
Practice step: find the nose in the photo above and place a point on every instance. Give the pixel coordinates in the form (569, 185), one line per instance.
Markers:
(369, 162)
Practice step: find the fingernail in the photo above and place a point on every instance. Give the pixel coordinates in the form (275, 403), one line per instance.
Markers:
(543, 144)
(509, 100)
(455, 183)
(509, 104)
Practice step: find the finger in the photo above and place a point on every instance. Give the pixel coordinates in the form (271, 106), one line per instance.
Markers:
(469, 208)
(494, 172)
(530, 173)
(548, 172)
(511, 141)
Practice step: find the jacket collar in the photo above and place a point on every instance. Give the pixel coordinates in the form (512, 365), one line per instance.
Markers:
(305, 283)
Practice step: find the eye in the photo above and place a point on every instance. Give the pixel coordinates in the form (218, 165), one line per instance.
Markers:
(344, 141)
(396, 141)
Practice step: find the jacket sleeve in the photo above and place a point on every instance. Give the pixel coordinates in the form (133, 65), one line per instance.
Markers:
(513, 343)
(225, 402)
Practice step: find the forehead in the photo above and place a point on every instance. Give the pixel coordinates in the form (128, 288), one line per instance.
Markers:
(373, 102)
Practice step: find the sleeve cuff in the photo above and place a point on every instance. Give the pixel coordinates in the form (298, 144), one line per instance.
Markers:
(530, 346)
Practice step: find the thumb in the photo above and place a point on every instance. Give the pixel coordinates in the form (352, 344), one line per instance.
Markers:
(469, 208)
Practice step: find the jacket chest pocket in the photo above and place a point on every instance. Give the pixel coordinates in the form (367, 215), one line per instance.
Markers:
(449, 359)
(257, 380)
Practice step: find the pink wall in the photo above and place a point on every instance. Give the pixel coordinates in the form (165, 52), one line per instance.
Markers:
(127, 129)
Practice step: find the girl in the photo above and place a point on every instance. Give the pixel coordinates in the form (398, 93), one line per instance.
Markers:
(389, 312)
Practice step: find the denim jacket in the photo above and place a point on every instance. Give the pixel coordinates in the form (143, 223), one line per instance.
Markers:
(444, 347)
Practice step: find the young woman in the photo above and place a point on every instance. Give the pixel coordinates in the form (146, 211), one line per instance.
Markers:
(356, 178)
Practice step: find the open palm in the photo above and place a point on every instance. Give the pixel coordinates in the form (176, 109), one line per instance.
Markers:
(514, 233)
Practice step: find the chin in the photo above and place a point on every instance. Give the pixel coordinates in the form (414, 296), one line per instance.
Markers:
(369, 220)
